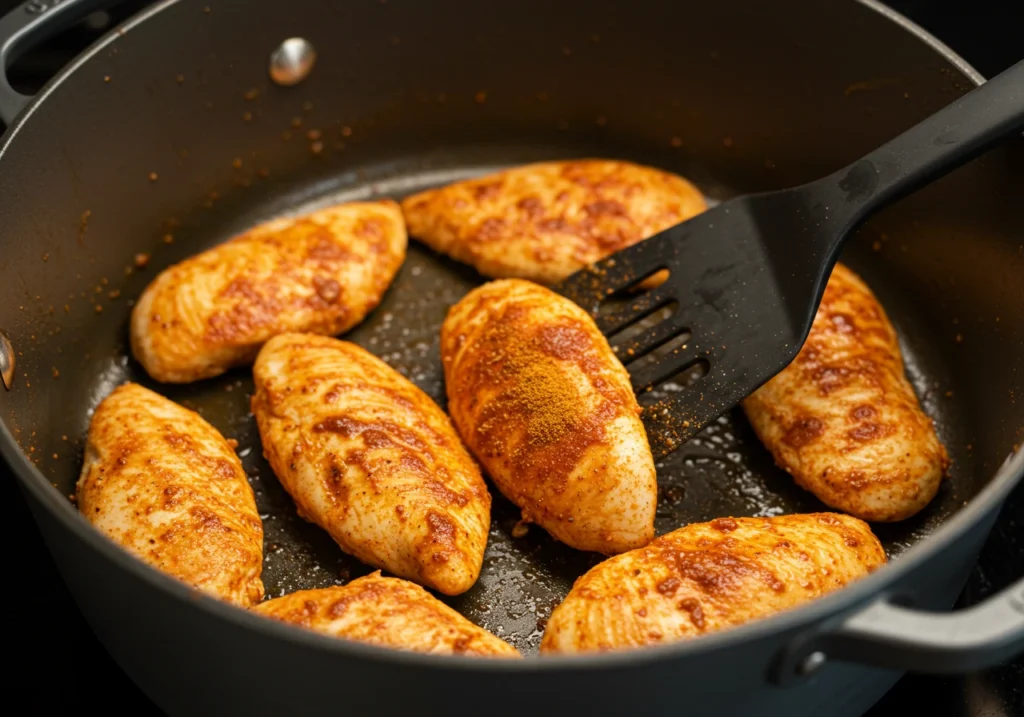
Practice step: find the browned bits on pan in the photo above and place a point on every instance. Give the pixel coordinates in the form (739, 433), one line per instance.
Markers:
(168, 238)
(106, 78)
(316, 147)
(236, 162)
(46, 256)
(346, 131)
(566, 52)
(252, 94)
(180, 79)
(141, 260)
(676, 142)
(307, 106)
(247, 115)
(99, 309)
(480, 97)
(521, 529)
(313, 135)
(601, 121)
(153, 176)
(296, 122)
(264, 172)
(54, 372)
(114, 294)
(727, 141)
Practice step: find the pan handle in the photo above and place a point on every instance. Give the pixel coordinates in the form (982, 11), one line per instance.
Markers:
(888, 635)
(27, 25)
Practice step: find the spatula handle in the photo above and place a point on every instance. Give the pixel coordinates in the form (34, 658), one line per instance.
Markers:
(954, 135)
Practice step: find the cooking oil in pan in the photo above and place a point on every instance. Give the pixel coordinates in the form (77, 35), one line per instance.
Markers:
(724, 471)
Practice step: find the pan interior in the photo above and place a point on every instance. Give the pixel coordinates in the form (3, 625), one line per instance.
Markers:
(724, 471)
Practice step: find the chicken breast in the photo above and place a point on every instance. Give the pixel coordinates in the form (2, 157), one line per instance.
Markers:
(166, 486)
(388, 612)
(844, 420)
(372, 460)
(540, 399)
(319, 273)
(711, 576)
(545, 221)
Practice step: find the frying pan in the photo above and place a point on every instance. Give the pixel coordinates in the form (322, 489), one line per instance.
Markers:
(170, 135)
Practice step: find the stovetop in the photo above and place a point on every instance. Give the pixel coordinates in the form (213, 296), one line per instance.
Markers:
(59, 665)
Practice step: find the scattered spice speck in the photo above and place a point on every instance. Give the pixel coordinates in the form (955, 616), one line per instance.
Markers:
(252, 94)
(247, 115)
(153, 176)
(480, 97)
(106, 78)
(676, 142)
(55, 373)
(346, 131)
(727, 141)
(313, 135)
(141, 260)
(180, 79)
(316, 147)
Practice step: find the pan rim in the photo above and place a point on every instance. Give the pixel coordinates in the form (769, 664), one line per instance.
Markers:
(847, 600)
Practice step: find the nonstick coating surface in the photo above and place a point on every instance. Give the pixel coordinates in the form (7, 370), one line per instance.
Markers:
(725, 471)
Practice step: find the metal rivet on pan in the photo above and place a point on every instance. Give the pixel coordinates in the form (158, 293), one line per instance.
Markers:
(292, 61)
(812, 663)
(6, 361)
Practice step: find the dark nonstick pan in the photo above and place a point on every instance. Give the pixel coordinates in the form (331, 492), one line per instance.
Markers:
(169, 135)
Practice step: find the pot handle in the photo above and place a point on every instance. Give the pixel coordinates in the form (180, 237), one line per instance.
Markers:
(27, 25)
(884, 634)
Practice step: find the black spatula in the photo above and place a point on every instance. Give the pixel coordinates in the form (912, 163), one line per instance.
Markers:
(746, 277)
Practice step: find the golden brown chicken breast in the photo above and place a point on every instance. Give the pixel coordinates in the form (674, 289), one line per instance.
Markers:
(388, 612)
(372, 460)
(165, 485)
(844, 420)
(319, 273)
(710, 576)
(539, 397)
(544, 221)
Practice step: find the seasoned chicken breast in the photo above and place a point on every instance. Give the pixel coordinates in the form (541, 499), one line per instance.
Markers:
(710, 576)
(844, 420)
(539, 397)
(544, 221)
(165, 485)
(319, 273)
(388, 612)
(372, 460)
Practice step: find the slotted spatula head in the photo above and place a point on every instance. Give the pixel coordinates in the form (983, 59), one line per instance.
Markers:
(742, 319)
(746, 277)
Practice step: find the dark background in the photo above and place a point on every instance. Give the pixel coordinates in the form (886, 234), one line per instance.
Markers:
(55, 663)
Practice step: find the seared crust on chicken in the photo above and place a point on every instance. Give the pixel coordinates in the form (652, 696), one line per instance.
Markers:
(165, 485)
(843, 418)
(368, 457)
(711, 576)
(319, 273)
(544, 221)
(541, 400)
(387, 612)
